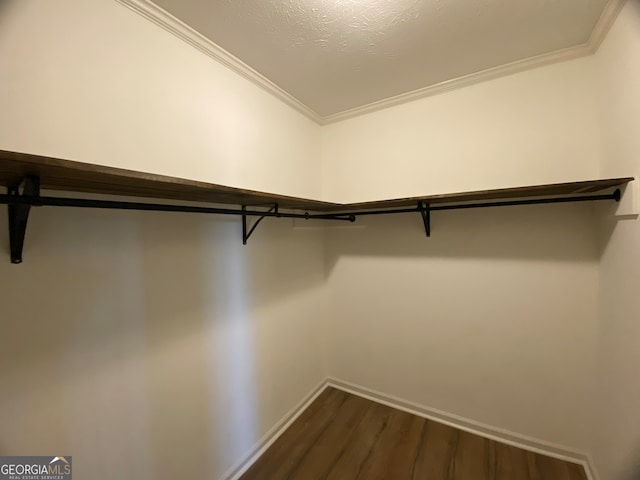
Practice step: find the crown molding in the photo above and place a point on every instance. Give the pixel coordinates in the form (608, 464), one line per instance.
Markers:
(611, 11)
(598, 34)
(164, 19)
(464, 81)
(176, 27)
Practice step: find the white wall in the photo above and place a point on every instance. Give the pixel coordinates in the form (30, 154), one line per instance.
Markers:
(95, 82)
(616, 446)
(538, 126)
(155, 344)
(493, 318)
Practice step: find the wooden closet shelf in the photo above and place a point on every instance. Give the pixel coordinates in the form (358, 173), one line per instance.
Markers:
(25, 175)
(72, 176)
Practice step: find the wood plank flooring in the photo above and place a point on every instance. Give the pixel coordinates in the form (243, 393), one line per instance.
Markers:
(346, 437)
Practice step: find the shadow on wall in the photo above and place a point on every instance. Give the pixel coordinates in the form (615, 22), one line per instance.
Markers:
(540, 232)
(132, 338)
(181, 264)
(497, 306)
(5, 5)
(633, 472)
(608, 222)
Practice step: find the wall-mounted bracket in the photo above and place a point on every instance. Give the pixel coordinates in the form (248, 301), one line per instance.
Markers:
(246, 234)
(425, 211)
(19, 214)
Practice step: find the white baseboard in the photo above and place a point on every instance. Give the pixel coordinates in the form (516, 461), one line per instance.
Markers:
(237, 470)
(487, 431)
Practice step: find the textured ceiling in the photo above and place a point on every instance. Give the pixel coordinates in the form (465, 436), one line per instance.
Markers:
(335, 55)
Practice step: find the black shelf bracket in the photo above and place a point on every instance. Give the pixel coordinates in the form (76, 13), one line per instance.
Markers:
(425, 211)
(19, 214)
(246, 234)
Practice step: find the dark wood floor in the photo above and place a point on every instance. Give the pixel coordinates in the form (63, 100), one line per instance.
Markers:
(342, 436)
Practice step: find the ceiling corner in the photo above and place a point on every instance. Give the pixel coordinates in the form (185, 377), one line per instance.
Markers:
(181, 30)
(605, 22)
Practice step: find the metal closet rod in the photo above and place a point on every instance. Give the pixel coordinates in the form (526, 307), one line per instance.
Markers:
(506, 203)
(36, 201)
(345, 216)
(20, 204)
